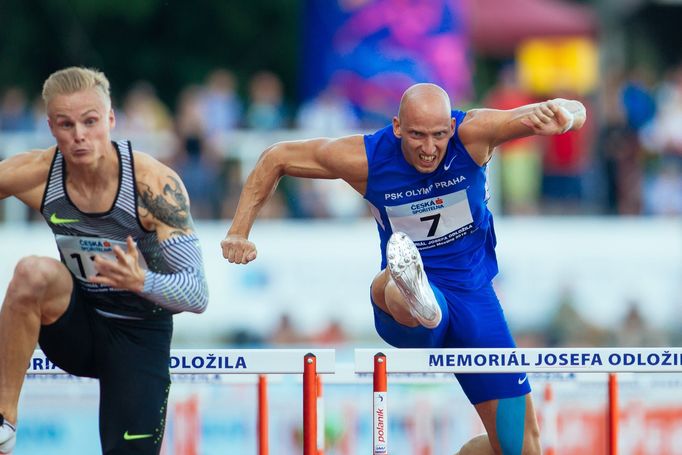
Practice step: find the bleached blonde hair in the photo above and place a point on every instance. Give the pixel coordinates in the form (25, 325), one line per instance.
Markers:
(75, 79)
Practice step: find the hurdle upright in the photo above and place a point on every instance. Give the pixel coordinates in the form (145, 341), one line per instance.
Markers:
(381, 363)
(307, 362)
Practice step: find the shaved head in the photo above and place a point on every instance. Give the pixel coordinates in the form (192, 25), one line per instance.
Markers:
(424, 98)
(424, 125)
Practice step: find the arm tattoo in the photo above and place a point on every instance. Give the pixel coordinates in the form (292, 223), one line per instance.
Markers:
(170, 207)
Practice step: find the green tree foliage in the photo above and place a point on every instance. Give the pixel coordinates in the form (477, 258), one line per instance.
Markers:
(170, 43)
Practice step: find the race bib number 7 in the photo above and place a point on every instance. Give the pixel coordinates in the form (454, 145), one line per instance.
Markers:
(79, 253)
(433, 221)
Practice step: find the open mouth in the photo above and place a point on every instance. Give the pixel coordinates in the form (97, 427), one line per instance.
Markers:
(427, 158)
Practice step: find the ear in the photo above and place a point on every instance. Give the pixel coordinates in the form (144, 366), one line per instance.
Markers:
(453, 125)
(112, 118)
(396, 127)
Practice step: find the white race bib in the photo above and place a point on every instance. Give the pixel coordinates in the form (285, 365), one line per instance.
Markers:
(433, 221)
(79, 253)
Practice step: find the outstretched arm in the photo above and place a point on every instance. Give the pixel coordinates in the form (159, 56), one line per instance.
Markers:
(316, 158)
(485, 129)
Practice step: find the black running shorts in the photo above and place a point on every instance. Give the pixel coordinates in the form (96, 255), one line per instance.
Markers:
(130, 358)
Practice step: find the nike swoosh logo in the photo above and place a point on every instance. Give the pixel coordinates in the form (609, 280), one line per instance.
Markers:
(522, 380)
(133, 437)
(54, 219)
(447, 166)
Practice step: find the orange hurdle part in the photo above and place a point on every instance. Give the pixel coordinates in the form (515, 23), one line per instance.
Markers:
(309, 404)
(262, 422)
(612, 426)
(380, 423)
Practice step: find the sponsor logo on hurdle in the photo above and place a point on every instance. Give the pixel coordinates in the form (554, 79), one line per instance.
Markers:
(210, 362)
(41, 364)
(562, 359)
(380, 433)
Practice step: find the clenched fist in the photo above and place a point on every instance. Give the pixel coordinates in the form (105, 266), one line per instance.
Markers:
(237, 249)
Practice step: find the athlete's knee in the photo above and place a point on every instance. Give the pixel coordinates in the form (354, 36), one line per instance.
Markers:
(479, 445)
(33, 279)
(377, 290)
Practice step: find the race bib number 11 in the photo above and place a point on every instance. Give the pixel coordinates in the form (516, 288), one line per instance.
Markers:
(79, 253)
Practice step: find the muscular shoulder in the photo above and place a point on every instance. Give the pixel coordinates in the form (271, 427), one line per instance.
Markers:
(162, 198)
(24, 175)
(475, 133)
(149, 170)
(32, 161)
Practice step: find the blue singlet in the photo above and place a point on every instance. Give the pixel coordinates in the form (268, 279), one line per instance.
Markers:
(445, 213)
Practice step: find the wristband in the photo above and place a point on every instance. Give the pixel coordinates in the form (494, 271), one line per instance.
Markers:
(571, 119)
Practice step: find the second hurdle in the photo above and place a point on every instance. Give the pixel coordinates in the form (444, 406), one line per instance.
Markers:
(508, 360)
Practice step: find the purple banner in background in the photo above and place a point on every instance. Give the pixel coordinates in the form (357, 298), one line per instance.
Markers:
(370, 51)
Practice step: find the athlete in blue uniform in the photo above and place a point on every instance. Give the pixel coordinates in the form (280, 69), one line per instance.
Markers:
(424, 177)
(129, 260)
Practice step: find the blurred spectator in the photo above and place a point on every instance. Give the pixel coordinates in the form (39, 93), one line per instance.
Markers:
(39, 113)
(635, 332)
(15, 115)
(666, 135)
(220, 107)
(143, 111)
(329, 114)
(266, 109)
(195, 162)
(663, 193)
(520, 158)
(284, 332)
(331, 335)
(639, 103)
(306, 199)
(620, 151)
(664, 140)
(568, 327)
(565, 162)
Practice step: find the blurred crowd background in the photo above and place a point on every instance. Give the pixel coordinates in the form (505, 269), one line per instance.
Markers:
(205, 86)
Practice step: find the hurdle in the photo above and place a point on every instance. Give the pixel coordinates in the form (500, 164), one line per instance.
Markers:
(309, 363)
(382, 363)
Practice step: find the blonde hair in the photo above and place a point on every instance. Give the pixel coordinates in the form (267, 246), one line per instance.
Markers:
(75, 79)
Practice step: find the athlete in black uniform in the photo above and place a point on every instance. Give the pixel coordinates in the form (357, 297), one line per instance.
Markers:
(129, 261)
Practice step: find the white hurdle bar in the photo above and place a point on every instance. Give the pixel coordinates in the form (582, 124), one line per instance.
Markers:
(307, 362)
(522, 360)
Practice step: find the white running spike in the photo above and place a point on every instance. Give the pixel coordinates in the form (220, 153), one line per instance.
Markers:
(407, 270)
(8, 436)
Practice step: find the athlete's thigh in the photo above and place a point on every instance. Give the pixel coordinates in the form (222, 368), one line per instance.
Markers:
(134, 387)
(68, 342)
(477, 321)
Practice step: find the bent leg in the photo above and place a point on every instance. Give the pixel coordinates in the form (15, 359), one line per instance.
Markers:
(387, 296)
(511, 425)
(396, 327)
(39, 293)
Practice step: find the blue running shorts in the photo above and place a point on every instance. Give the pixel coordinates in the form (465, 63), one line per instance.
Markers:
(471, 319)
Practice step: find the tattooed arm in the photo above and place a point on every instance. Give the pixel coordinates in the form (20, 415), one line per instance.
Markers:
(163, 202)
(163, 206)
